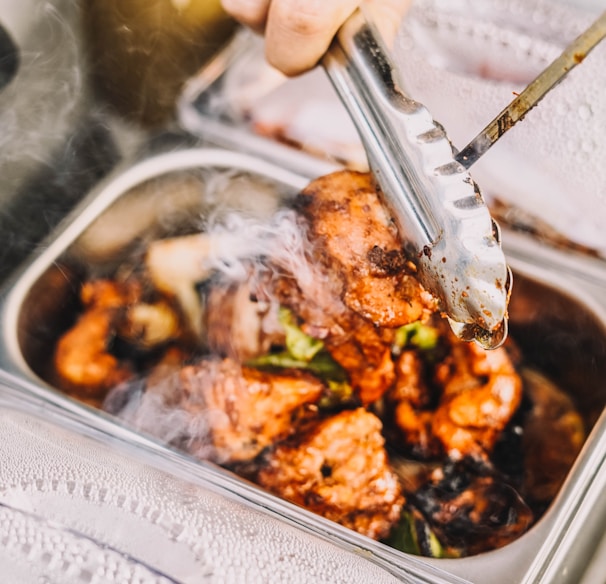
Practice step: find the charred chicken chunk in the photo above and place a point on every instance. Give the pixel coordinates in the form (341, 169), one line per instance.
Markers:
(456, 401)
(340, 471)
(470, 508)
(355, 238)
(357, 345)
(358, 286)
(243, 410)
(409, 400)
(82, 360)
(481, 393)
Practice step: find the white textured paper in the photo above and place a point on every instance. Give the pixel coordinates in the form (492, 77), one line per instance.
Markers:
(73, 510)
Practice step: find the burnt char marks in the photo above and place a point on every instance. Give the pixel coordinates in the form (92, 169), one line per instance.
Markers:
(386, 263)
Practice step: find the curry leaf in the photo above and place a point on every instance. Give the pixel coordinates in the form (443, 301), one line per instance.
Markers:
(300, 345)
(417, 334)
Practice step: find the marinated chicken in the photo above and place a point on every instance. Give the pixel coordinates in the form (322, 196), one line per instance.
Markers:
(83, 362)
(470, 508)
(362, 287)
(409, 399)
(339, 470)
(316, 365)
(361, 348)
(243, 410)
(458, 404)
(481, 393)
(356, 241)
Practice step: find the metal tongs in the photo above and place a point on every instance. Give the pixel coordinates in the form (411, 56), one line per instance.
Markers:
(425, 182)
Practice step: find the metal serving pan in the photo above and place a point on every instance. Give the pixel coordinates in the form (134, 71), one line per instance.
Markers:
(557, 315)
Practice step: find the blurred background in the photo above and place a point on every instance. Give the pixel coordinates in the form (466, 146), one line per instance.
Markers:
(86, 84)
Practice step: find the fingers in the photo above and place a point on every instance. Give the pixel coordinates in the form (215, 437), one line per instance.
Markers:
(252, 13)
(298, 32)
(387, 15)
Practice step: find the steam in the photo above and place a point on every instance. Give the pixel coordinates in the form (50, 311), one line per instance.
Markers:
(245, 224)
(38, 108)
(150, 412)
(232, 244)
(283, 239)
(53, 143)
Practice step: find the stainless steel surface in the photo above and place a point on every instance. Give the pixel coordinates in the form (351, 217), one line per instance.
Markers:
(9, 58)
(534, 92)
(434, 202)
(557, 315)
(56, 140)
(41, 107)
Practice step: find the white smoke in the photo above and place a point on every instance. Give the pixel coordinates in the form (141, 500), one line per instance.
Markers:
(40, 106)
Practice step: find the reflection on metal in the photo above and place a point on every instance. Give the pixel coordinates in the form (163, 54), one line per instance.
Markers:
(9, 58)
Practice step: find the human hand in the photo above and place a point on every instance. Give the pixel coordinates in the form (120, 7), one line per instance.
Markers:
(298, 32)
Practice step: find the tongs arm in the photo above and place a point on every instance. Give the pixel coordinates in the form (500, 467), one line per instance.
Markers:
(516, 111)
(435, 203)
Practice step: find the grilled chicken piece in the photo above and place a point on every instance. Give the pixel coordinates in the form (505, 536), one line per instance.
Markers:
(358, 287)
(241, 410)
(355, 238)
(82, 362)
(362, 349)
(410, 384)
(408, 401)
(340, 471)
(470, 508)
(481, 393)
(459, 406)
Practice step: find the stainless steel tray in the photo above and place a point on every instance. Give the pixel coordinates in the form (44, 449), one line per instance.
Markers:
(557, 313)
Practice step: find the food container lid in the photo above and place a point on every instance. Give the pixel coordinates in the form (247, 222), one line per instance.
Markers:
(467, 60)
